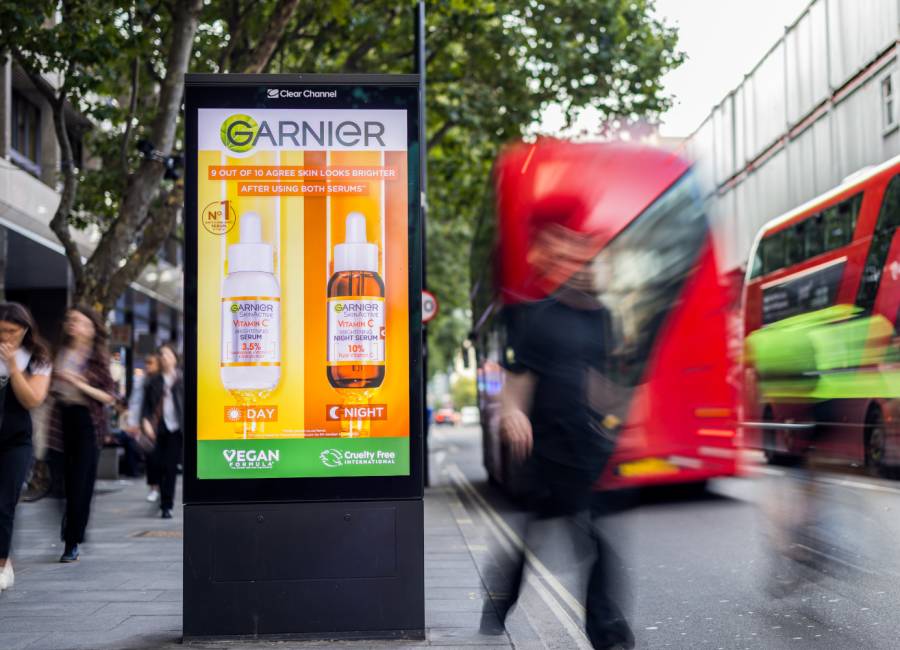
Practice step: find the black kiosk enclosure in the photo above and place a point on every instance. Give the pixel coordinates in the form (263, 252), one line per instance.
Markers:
(312, 529)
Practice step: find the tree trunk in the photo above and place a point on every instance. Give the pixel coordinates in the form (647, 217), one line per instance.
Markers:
(133, 239)
(278, 21)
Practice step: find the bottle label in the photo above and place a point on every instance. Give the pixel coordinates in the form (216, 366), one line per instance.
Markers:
(251, 329)
(356, 331)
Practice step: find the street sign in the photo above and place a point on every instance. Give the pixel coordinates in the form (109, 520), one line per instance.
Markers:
(304, 412)
(430, 306)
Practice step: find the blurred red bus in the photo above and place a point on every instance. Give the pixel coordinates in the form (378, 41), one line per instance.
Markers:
(839, 249)
(668, 302)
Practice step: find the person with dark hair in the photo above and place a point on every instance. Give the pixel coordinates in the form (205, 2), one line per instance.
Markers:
(82, 388)
(163, 417)
(24, 380)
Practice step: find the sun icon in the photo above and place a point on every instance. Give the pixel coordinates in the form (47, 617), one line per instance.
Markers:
(234, 414)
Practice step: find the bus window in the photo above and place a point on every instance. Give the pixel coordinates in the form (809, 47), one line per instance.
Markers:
(889, 216)
(773, 252)
(835, 229)
(840, 222)
(652, 257)
(795, 245)
(757, 265)
(815, 235)
(888, 219)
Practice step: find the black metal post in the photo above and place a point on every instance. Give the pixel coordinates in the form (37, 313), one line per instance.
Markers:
(423, 166)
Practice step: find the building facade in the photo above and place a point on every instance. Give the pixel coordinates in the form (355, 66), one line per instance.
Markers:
(821, 105)
(33, 268)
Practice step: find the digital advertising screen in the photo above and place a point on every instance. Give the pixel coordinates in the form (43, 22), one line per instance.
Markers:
(302, 353)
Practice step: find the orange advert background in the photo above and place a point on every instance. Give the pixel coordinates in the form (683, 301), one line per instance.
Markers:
(304, 246)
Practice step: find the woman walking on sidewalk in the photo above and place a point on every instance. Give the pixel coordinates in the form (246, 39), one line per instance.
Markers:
(83, 388)
(24, 380)
(163, 416)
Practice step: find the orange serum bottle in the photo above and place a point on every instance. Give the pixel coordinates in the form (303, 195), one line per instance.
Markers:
(356, 315)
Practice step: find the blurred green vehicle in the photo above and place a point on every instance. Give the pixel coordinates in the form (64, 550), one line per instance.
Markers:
(821, 297)
(833, 353)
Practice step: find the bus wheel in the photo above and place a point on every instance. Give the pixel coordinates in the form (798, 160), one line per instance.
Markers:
(876, 444)
(770, 443)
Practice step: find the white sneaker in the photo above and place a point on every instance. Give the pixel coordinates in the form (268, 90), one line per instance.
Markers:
(7, 577)
(153, 496)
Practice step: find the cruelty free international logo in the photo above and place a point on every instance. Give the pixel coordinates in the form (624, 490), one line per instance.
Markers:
(331, 458)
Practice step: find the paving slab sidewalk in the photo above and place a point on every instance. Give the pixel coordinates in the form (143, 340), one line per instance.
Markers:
(126, 591)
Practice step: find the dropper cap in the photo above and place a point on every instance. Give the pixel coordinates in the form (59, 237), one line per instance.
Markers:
(356, 253)
(250, 253)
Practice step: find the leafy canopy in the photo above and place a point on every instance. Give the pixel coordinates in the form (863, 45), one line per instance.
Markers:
(492, 67)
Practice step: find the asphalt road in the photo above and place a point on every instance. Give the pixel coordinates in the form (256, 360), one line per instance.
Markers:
(704, 570)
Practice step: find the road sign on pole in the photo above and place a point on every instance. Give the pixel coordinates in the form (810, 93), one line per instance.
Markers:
(430, 306)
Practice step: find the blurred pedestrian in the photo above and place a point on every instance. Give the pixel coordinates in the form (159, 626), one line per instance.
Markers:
(24, 380)
(800, 368)
(82, 389)
(163, 417)
(117, 372)
(558, 352)
(146, 442)
(132, 455)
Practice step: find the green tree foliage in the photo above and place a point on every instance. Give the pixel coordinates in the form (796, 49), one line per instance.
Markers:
(463, 392)
(492, 66)
(116, 68)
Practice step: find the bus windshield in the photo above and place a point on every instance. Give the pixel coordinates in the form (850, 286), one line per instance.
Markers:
(643, 269)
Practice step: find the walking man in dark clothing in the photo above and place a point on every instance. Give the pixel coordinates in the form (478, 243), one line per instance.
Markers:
(556, 358)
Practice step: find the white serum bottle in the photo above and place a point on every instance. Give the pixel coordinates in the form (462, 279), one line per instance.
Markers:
(251, 315)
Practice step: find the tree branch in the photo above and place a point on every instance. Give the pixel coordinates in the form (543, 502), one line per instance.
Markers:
(132, 108)
(438, 135)
(277, 23)
(157, 229)
(235, 33)
(354, 59)
(59, 224)
(318, 42)
(143, 185)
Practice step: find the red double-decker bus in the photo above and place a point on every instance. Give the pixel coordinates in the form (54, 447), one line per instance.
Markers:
(820, 307)
(672, 366)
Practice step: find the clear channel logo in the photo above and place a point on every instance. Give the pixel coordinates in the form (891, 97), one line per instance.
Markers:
(239, 459)
(305, 93)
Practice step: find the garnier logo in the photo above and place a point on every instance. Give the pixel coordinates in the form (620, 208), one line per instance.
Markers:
(331, 458)
(239, 133)
(339, 307)
(235, 308)
(251, 458)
